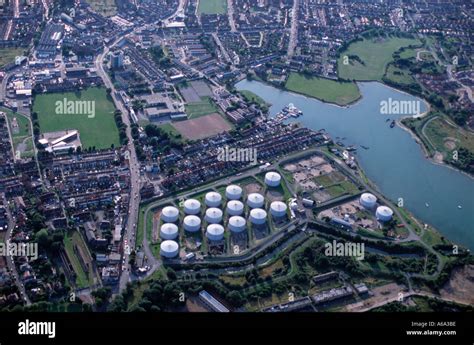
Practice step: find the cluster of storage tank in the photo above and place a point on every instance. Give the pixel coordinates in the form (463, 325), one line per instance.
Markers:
(214, 214)
(369, 202)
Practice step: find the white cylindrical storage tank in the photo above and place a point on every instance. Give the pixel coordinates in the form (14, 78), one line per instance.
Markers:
(368, 200)
(235, 208)
(192, 206)
(169, 214)
(215, 232)
(278, 209)
(233, 192)
(169, 249)
(258, 216)
(237, 224)
(272, 179)
(213, 215)
(255, 200)
(169, 231)
(192, 223)
(384, 213)
(213, 199)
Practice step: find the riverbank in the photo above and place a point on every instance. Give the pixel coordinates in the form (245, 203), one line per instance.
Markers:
(327, 90)
(393, 161)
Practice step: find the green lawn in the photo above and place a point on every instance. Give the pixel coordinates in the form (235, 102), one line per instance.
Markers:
(8, 55)
(324, 89)
(198, 109)
(100, 131)
(212, 6)
(398, 75)
(375, 54)
(251, 97)
(442, 133)
(171, 131)
(83, 279)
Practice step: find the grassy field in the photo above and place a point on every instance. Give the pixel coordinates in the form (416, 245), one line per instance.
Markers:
(83, 279)
(324, 89)
(212, 6)
(22, 140)
(171, 131)
(8, 55)
(100, 131)
(375, 54)
(447, 137)
(107, 8)
(198, 109)
(251, 97)
(398, 75)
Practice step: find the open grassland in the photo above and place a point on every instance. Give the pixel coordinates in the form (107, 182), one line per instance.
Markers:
(212, 6)
(100, 132)
(446, 137)
(327, 90)
(398, 75)
(202, 108)
(8, 55)
(374, 53)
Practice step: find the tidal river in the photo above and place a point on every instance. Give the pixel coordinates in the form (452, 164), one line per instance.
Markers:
(393, 160)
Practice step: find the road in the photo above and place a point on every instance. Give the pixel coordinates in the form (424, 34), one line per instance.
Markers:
(224, 53)
(9, 259)
(294, 29)
(230, 14)
(134, 203)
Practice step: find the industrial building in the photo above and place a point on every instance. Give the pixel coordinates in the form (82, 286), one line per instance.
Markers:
(192, 206)
(215, 232)
(233, 192)
(169, 231)
(368, 200)
(192, 223)
(213, 215)
(169, 214)
(169, 249)
(384, 214)
(213, 199)
(235, 208)
(237, 224)
(212, 303)
(272, 179)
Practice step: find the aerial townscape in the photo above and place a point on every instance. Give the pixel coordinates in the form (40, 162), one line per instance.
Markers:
(236, 155)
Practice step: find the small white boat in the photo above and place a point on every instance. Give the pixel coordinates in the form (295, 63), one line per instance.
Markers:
(427, 205)
(459, 206)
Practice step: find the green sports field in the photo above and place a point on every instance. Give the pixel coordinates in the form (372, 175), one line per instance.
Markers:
(212, 6)
(100, 131)
(375, 54)
(324, 89)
